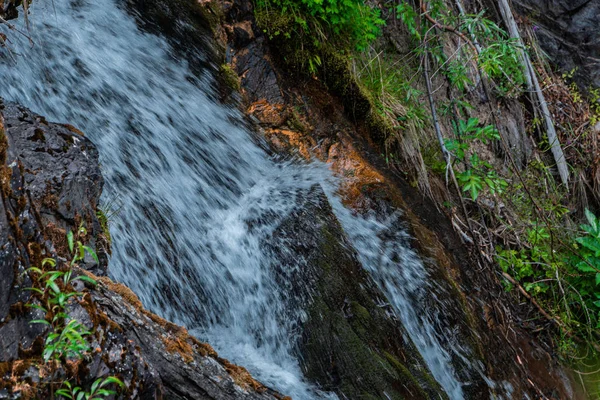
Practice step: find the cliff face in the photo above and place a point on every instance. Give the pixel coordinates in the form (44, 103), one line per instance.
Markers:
(51, 183)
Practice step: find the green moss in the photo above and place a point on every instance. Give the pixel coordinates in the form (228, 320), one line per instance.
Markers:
(360, 312)
(229, 77)
(103, 220)
(295, 123)
(406, 376)
(350, 345)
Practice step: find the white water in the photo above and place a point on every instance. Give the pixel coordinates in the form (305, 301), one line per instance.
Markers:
(197, 191)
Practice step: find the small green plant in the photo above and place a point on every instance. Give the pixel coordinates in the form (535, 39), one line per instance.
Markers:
(499, 56)
(545, 268)
(70, 341)
(98, 391)
(68, 338)
(480, 174)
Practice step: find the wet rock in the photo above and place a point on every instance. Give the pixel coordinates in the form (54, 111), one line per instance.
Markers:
(258, 76)
(60, 170)
(50, 182)
(351, 341)
(242, 34)
(567, 31)
(188, 25)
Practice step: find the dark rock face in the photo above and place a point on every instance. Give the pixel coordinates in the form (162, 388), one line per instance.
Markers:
(60, 170)
(568, 31)
(258, 76)
(50, 183)
(350, 343)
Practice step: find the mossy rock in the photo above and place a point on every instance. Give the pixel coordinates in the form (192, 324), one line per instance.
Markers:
(349, 344)
(334, 70)
(229, 77)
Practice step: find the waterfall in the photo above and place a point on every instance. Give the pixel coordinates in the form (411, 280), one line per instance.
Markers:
(197, 191)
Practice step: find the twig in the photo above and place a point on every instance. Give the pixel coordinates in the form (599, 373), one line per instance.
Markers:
(14, 28)
(535, 303)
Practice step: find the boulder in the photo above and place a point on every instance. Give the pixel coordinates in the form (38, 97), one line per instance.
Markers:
(351, 341)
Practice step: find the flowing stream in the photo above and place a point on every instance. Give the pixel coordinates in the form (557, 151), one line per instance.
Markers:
(197, 192)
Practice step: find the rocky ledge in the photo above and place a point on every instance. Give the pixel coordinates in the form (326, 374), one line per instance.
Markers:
(50, 184)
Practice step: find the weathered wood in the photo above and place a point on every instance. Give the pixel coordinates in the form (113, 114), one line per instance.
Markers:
(534, 89)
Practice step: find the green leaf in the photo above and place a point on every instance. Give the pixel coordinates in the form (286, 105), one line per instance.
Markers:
(64, 393)
(91, 251)
(113, 379)
(34, 269)
(49, 261)
(70, 240)
(590, 243)
(53, 286)
(39, 291)
(40, 321)
(95, 385)
(584, 267)
(81, 251)
(86, 278)
(593, 221)
(104, 393)
(37, 307)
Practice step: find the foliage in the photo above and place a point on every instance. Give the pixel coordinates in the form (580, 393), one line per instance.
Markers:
(308, 24)
(499, 56)
(68, 338)
(349, 21)
(495, 53)
(67, 342)
(587, 263)
(480, 174)
(394, 93)
(98, 390)
(546, 267)
(559, 267)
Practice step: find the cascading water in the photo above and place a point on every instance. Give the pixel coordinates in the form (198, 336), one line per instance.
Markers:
(198, 194)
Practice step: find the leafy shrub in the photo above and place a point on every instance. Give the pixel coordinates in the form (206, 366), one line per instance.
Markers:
(545, 269)
(68, 338)
(498, 57)
(479, 173)
(345, 24)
